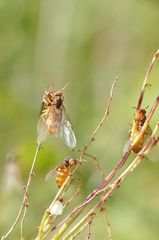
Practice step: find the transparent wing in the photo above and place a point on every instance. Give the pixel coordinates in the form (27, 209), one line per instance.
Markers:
(147, 133)
(51, 173)
(66, 131)
(153, 155)
(127, 147)
(42, 131)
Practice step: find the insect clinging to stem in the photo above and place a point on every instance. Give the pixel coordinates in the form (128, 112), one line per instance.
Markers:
(140, 115)
(62, 171)
(54, 119)
(138, 122)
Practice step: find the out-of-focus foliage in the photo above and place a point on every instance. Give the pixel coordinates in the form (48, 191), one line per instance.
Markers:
(88, 44)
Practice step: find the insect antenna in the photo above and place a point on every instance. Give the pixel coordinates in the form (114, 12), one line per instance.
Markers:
(64, 87)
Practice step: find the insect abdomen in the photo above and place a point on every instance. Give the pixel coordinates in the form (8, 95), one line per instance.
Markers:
(62, 174)
(138, 146)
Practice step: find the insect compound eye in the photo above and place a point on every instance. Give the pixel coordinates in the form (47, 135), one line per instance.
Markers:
(58, 103)
(67, 162)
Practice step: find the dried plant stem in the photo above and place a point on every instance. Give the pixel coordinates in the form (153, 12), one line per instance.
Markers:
(51, 223)
(108, 225)
(97, 163)
(106, 113)
(46, 216)
(76, 212)
(80, 230)
(89, 228)
(156, 55)
(146, 149)
(79, 226)
(22, 223)
(24, 204)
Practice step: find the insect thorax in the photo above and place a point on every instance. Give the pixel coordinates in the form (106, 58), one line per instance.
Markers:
(51, 99)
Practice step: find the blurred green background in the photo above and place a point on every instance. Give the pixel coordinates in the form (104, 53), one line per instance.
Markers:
(86, 43)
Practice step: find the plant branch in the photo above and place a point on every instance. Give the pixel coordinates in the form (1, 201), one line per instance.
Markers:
(146, 79)
(97, 163)
(108, 225)
(24, 204)
(75, 213)
(146, 149)
(106, 113)
(46, 216)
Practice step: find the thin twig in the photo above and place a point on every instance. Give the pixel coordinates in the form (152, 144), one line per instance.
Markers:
(89, 228)
(155, 56)
(47, 229)
(75, 213)
(45, 218)
(97, 163)
(108, 225)
(78, 227)
(24, 204)
(78, 232)
(146, 149)
(22, 223)
(106, 113)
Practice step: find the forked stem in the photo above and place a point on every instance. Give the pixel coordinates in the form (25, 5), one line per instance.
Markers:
(76, 212)
(78, 226)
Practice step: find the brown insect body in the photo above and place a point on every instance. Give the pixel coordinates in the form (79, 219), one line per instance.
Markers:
(139, 120)
(64, 170)
(54, 119)
(51, 111)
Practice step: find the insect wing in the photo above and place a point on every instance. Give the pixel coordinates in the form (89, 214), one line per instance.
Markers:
(42, 131)
(52, 172)
(127, 147)
(147, 133)
(66, 131)
(153, 155)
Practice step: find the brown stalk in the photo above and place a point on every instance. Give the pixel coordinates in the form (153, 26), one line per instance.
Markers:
(145, 150)
(155, 56)
(24, 204)
(97, 163)
(75, 213)
(106, 113)
(46, 215)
